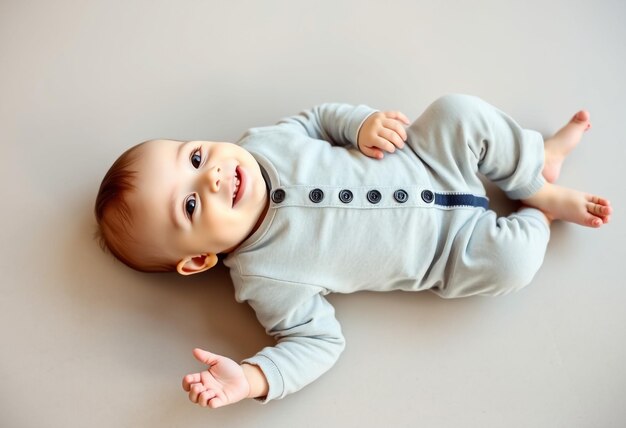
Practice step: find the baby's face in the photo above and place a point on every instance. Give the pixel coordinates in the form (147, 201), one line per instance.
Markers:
(196, 197)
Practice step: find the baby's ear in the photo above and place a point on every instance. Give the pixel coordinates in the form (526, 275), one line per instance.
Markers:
(196, 264)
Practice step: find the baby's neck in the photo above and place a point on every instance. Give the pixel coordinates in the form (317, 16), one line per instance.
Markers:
(263, 214)
(258, 223)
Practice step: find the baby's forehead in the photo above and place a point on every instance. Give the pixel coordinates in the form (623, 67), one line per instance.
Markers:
(157, 176)
(156, 153)
(156, 145)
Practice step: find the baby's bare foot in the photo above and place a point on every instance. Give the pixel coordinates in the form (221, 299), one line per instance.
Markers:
(581, 208)
(562, 203)
(561, 144)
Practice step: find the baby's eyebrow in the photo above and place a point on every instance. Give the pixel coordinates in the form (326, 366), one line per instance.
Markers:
(179, 151)
(174, 218)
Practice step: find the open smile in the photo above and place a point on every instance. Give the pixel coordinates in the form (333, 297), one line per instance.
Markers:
(239, 183)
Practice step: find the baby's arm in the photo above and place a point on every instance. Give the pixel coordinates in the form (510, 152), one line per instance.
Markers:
(338, 124)
(309, 338)
(309, 342)
(342, 124)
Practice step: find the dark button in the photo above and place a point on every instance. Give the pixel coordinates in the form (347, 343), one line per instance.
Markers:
(401, 196)
(316, 195)
(278, 196)
(374, 196)
(428, 196)
(345, 196)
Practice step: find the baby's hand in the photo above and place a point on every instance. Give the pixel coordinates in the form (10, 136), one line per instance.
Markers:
(223, 383)
(382, 131)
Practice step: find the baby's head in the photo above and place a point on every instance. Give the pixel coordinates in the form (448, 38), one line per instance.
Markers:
(168, 205)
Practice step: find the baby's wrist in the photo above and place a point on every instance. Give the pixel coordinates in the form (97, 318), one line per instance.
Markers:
(257, 383)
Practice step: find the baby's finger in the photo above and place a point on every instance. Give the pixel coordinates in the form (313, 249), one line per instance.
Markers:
(195, 390)
(391, 140)
(205, 397)
(372, 152)
(383, 143)
(217, 402)
(190, 379)
(206, 357)
(397, 127)
(394, 135)
(398, 116)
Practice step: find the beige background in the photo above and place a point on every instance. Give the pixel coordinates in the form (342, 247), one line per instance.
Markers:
(88, 342)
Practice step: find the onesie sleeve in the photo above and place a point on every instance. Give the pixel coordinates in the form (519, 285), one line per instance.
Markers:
(339, 124)
(308, 336)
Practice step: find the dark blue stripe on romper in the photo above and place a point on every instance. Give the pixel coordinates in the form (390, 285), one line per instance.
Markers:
(462, 199)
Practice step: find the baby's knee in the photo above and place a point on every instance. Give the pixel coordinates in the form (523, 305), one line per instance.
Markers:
(453, 106)
(512, 277)
(512, 269)
(502, 271)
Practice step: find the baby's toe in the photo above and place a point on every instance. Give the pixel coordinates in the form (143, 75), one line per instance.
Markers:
(597, 209)
(582, 118)
(593, 221)
(598, 200)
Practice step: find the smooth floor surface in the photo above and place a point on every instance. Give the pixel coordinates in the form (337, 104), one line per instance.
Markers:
(86, 342)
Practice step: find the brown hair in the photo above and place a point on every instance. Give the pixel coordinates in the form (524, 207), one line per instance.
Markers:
(114, 216)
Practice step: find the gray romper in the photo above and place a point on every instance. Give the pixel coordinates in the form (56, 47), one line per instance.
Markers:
(341, 222)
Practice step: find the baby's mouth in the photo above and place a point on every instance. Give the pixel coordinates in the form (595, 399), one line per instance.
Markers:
(237, 186)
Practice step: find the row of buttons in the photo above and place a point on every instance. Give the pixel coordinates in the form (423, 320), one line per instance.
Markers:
(346, 196)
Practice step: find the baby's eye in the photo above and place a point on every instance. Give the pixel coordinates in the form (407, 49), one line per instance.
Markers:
(190, 205)
(196, 158)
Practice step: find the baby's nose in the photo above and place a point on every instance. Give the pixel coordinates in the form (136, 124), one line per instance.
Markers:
(213, 177)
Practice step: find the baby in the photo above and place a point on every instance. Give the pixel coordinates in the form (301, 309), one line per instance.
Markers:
(340, 199)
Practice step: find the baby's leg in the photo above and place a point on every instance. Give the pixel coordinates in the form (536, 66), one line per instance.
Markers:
(493, 255)
(458, 136)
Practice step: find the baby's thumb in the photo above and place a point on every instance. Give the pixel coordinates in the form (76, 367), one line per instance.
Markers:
(205, 357)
